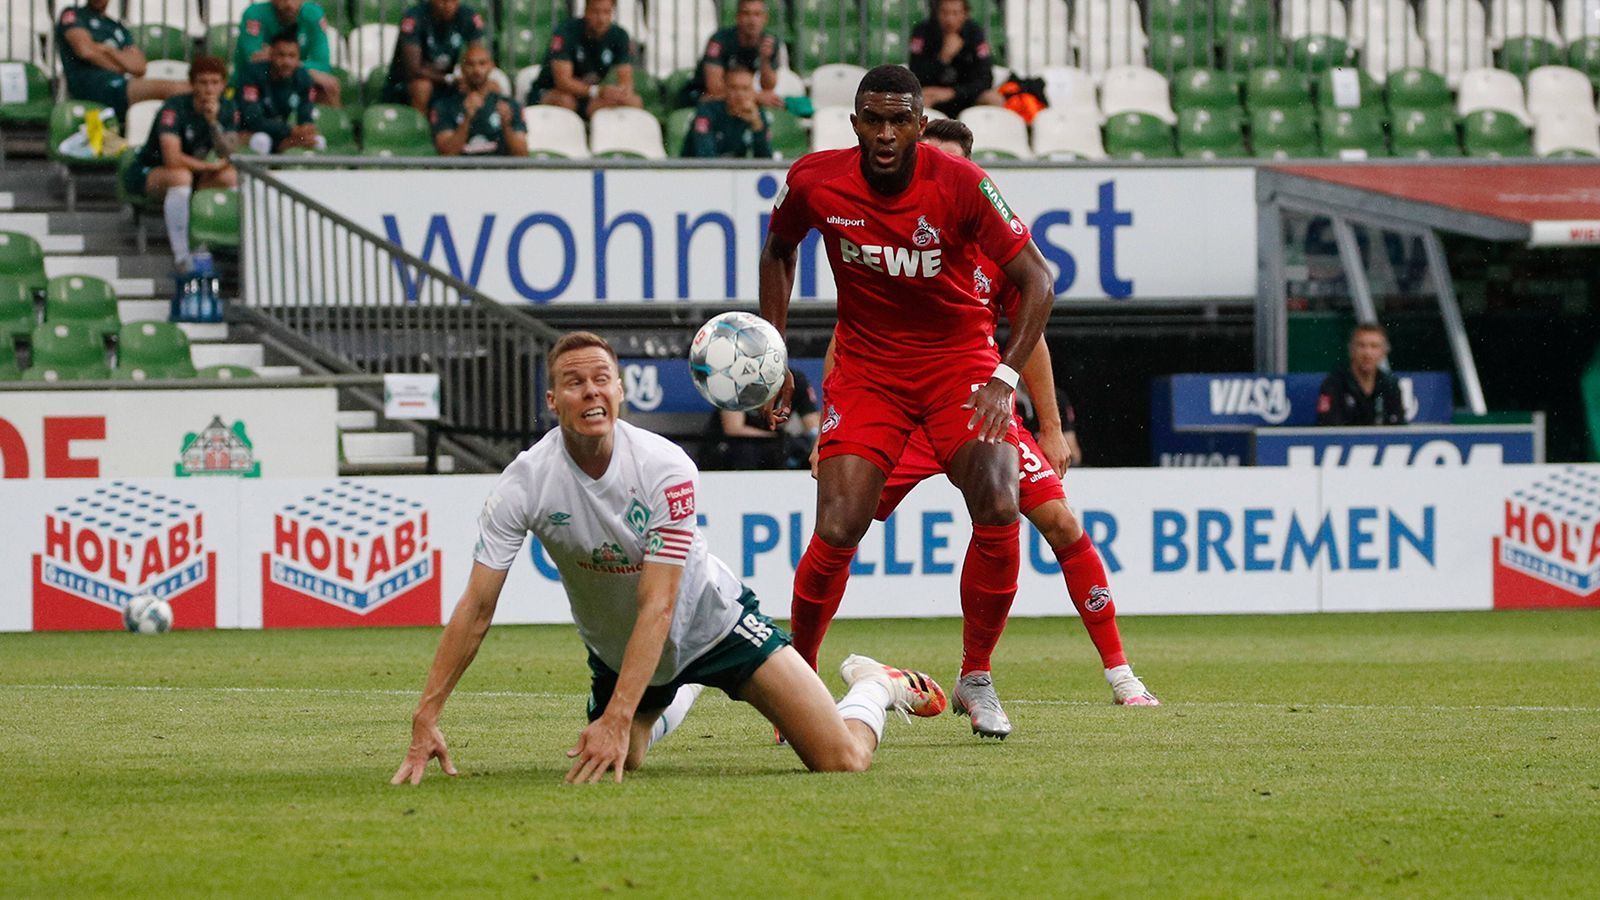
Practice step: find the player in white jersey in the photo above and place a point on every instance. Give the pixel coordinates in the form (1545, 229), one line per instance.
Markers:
(614, 505)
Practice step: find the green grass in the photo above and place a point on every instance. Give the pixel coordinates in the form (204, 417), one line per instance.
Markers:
(1404, 755)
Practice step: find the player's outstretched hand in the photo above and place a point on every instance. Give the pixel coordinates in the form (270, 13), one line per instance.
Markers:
(601, 746)
(427, 742)
(991, 411)
(777, 409)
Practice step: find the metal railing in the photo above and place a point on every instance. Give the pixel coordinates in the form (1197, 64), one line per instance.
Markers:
(366, 305)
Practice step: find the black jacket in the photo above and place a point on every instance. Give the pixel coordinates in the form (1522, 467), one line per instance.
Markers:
(970, 73)
(1342, 402)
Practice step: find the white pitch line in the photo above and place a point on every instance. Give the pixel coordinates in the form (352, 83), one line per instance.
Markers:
(553, 695)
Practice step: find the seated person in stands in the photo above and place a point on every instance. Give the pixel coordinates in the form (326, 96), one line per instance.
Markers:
(188, 129)
(742, 440)
(303, 19)
(950, 56)
(100, 62)
(1363, 393)
(433, 35)
(476, 119)
(734, 126)
(583, 52)
(748, 44)
(274, 99)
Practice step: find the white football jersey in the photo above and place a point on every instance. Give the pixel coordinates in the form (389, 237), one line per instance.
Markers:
(600, 532)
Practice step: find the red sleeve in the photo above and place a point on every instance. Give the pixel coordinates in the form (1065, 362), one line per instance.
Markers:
(996, 228)
(791, 210)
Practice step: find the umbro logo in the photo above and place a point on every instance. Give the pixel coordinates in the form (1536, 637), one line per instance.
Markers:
(848, 223)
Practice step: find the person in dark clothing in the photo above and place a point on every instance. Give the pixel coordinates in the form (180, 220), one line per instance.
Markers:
(730, 126)
(274, 99)
(950, 55)
(1363, 393)
(748, 44)
(742, 440)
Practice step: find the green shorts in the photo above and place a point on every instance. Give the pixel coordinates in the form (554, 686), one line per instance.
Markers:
(102, 87)
(135, 179)
(726, 666)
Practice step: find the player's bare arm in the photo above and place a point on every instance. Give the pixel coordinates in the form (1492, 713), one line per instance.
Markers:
(1041, 381)
(778, 260)
(603, 745)
(991, 404)
(457, 647)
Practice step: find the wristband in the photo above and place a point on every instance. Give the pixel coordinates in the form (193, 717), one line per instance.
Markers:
(1007, 374)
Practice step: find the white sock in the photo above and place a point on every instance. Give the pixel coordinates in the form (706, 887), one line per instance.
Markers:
(868, 703)
(261, 143)
(176, 207)
(1113, 674)
(673, 715)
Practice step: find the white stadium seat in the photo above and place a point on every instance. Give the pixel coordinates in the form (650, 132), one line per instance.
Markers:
(167, 69)
(1574, 132)
(557, 131)
(1456, 34)
(790, 84)
(630, 14)
(498, 78)
(1071, 89)
(1303, 18)
(1492, 89)
(371, 47)
(1107, 34)
(141, 117)
(1386, 33)
(526, 76)
(181, 14)
(623, 130)
(830, 129)
(1065, 133)
(20, 44)
(1136, 89)
(1558, 89)
(1580, 19)
(338, 50)
(1038, 34)
(1522, 18)
(933, 115)
(997, 131)
(229, 12)
(679, 31)
(834, 84)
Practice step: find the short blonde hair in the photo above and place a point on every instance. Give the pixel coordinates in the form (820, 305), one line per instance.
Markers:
(576, 340)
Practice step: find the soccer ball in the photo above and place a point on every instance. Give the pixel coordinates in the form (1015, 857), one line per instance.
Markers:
(147, 614)
(738, 361)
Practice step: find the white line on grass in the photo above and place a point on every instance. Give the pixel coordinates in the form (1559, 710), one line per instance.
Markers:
(554, 695)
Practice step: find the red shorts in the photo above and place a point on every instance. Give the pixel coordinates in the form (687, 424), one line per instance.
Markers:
(872, 416)
(1039, 482)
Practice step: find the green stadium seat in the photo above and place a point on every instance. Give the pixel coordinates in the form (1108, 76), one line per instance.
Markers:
(1180, 16)
(677, 128)
(826, 45)
(220, 40)
(896, 14)
(1492, 133)
(336, 13)
(1133, 135)
(21, 258)
(1584, 55)
(521, 47)
(34, 107)
(1205, 89)
(214, 218)
(65, 119)
(1204, 134)
(1522, 55)
(54, 373)
(83, 299)
(17, 315)
(787, 135)
(1315, 53)
(675, 89)
(8, 362)
(1179, 49)
(1275, 88)
(155, 347)
(1244, 17)
(1370, 92)
(162, 41)
(886, 47)
(1283, 133)
(139, 201)
(73, 349)
(647, 86)
(539, 16)
(1347, 132)
(224, 373)
(386, 12)
(337, 128)
(1417, 89)
(389, 129)
(1425, 133)
(1244, 52)
(350, 98)
(372, 89)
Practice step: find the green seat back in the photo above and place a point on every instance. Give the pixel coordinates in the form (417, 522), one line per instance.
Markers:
(1243, 52)
(1205, 89)
(1244, 16)
(1353, 129)
(522, 46)
(1315, 53)
(84, 299)
(17, 316)
(214, 218)
(787, 135)
(1171, 50)
(160, 41)
(647, 86)
(891, 14)
(224, 373)
(1275, 88)
(675, 88)
(1492, 133)
(1418, 89)
(886, 47)
(34, 107)
(1522, 55)
(1289, 133)
(350, 97)
(1205, 134)
(154, 346)
(128, 159)
(372, 89)
(389, 129)
(65, 119)
(21, 258)
(819, 46)
(8, 359)
(68, 346)
(677, 131)
(1370, 92)
(1425, 133)
(1584, 55)
(220, 40)
(1189, 16)
(1133, 135)
(336, 126)
(386, 12)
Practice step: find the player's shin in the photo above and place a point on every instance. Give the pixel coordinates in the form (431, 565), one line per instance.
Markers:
(988, 587)
(1090, 590)
(819, 583)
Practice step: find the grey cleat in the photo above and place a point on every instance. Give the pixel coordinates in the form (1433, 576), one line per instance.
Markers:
(974, 696)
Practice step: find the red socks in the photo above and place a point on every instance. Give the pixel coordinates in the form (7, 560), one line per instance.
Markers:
(988, 586)
(819, 583)
(1089, 588)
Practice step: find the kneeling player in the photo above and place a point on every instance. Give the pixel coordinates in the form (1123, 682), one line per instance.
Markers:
(614, 507)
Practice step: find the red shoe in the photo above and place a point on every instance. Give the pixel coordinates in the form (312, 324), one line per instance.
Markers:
(910, 692)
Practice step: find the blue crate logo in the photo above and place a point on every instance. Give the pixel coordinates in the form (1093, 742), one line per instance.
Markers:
(351, 546)
(122, 540)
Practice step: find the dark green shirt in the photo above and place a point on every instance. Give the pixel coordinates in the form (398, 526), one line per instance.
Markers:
(715, 133)
(725, 50)
(269, 106)
(1341, 401)
(592, 59)
(442, 43)
(102, 30)
(486, 132)
(178, 116)
(260, 25)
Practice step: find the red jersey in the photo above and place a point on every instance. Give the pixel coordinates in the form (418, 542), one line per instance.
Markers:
(994, 290)
(903, 264)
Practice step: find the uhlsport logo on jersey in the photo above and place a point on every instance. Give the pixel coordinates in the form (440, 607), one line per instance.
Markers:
(115, 543)
(1548, 549)
(1265, 398)
(350, 555)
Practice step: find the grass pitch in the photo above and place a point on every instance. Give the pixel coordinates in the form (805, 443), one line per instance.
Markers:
(1406, 755)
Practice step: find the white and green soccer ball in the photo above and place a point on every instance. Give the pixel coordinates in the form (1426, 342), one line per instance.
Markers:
(738, 361)
(147, 614)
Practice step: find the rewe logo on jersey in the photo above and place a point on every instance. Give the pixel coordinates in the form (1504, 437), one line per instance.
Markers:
(1548, 550)
(1266, 398)
(902, 262)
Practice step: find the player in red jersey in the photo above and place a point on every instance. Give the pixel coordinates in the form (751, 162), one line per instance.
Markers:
(1042, 500)
(903, 230)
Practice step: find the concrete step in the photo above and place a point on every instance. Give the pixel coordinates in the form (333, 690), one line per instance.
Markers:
(356, 420)
(37, 226)
(378, 445)
(143, 310)
(278, 371)
(396, 465)
(204, 332)
(247, 355)
(8, 200)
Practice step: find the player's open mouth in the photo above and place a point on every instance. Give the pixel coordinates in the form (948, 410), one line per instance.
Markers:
(883, 156)
(594, 414)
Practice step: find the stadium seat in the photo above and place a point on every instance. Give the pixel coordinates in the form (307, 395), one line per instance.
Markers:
(1385, 33)
(183, 15)
(371, 48)
(675, 88)
(214, 218)
(33, 108)
(8, 362)
(1242, 52)
(161, 349)
(160, 41)
(67, 351)
(1491, 89)
(220, 40)
(336, 127)
(21, 258)
(137, 198)
(1522, 18)
(997, 133)
(1556, 89)
(1243, 17)
(350, 98)
(1428, 133)
(1313, 18)
(1136, 89)
(84, 299)
(226, 372)
(555, 132)
(1108, 34)
(885, 48)
(18, 42)
(1060, 134)
(676, 34)
(1353, 133)
(389, 129)
(1584, 55)
(1274, 88)
(522, 47)
(1071, 89)
(1135, 135)
(388, 12)
(1171, 51)
(819, 47)
(1205, 89)
(17, 315)
(141, 118)
(1456, 35)
(1037, 34)
(522, 83)
(1316, 53)
(676, 126)
(1494, 133)
(372, 88)
(622, 132)
(835, 84)
(1348, 88)
(787, 134)
(1204, 134)
(167, 70)
(339, 54)
(1417, 89)
(790, 84)
(831, 129)
(1521, 55)
(65, 119)
(1283, 133)
(1180, 15)
(1567, 133)
(1580, 19)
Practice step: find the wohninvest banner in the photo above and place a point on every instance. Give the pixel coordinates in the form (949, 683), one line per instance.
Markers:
(564, 235)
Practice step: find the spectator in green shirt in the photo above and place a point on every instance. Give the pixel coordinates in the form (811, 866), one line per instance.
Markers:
(475, 119)
(101, 63)
(264, 21)
(583, 52)
(274, 100)
(747, 44)
(734, 126)
(433, 36)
